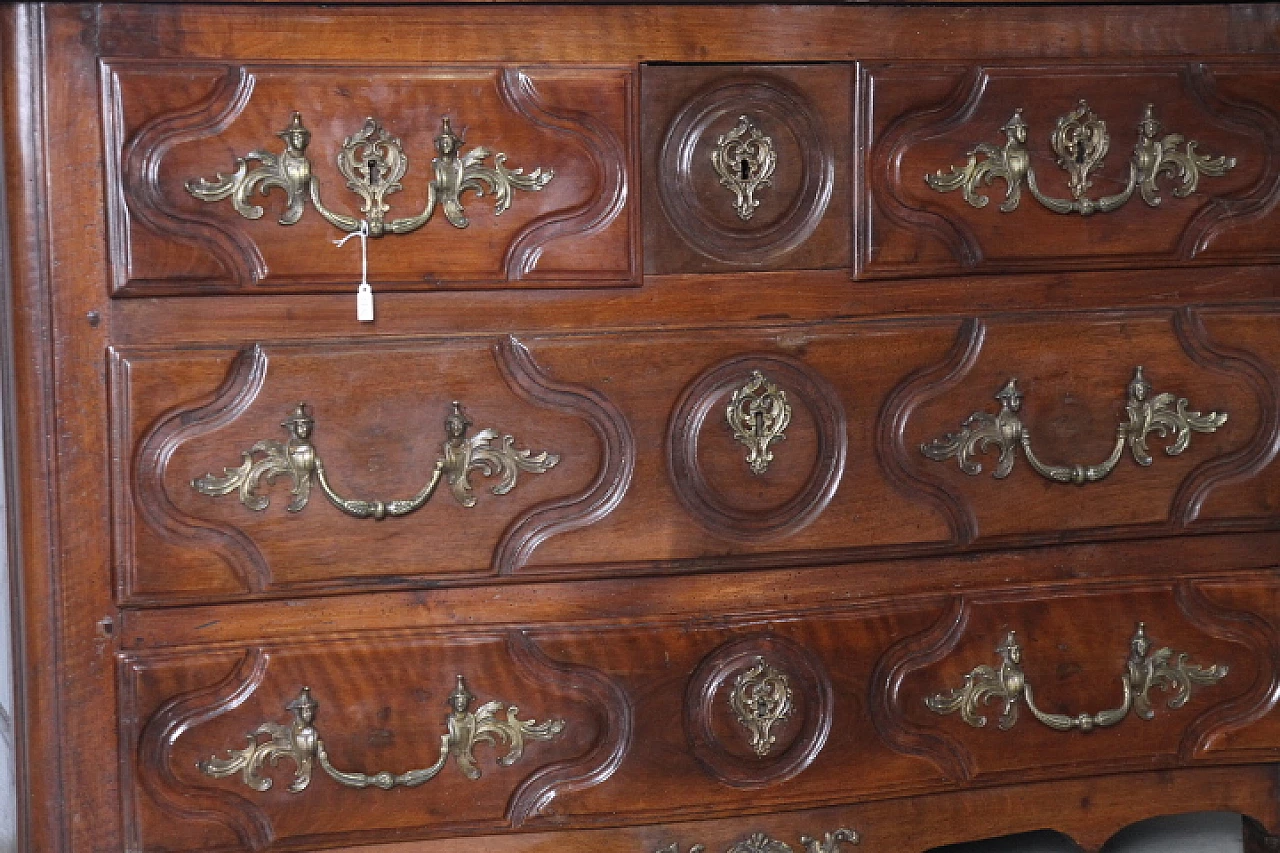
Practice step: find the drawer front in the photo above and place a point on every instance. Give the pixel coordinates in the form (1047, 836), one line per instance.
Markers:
(1007, 686)
(746, 167)
(619, 724)
(233, 178)
(1009, 467)
(358, 739)
(683, 451)
(320, 467)
(1061, 168)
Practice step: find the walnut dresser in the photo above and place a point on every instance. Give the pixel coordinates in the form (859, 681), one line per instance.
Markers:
(625, 428)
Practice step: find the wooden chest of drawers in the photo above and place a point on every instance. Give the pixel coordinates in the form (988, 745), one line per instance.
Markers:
(779, 428)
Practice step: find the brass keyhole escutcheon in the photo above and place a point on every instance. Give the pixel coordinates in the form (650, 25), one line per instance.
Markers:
(758, 415)
(744, 159)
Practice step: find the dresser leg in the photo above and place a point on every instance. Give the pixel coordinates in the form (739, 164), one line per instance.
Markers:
(1257, 839)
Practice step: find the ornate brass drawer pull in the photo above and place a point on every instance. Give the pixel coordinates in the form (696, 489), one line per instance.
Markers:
(1081, 140)
(761, 843)
(758, 414)
(1162, 414)
(1163, 668)
(299, 458)
(300, 742)
(373, 162)
(744, 159)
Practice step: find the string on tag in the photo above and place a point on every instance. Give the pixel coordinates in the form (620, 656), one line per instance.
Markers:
(364, 293)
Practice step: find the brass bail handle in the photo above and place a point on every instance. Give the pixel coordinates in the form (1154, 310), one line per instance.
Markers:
(1162, 414)
(372, 162)
(1081, 140)
(300, 742)
(1007, 683)
(299, 459)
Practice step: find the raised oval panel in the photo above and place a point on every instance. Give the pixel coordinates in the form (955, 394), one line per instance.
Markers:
(746, 167)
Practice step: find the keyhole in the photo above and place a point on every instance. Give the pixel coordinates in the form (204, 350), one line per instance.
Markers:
(745, 165)
(375, 176)
(1080, 152)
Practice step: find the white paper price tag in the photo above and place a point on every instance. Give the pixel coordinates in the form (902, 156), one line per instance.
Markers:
(364, 293)
(364, 303)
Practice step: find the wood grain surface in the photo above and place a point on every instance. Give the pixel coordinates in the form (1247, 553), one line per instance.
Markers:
(629, 589)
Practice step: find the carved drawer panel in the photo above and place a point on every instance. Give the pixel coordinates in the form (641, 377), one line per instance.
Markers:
(746, 167)
(569, 725)
(1247, 607)
(241, 473)
(1047, 168)
(899, 387)
(227, 178)
(235, 749)
(438, 460)
(749, 732)
(1037, 681)
(1095, 428)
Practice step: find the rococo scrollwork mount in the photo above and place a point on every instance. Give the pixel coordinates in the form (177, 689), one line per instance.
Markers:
(298, 458)
(761, 699)
(1164, 414)
(300, 742)
(744, 160)
(1144, 670)
(758, 415)
(762, 843)
(373, 163)
(1080, 141)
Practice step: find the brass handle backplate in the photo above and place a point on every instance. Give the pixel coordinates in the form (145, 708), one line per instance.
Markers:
(298, 458)
(373, 162)
(300, 742)
(1163, 414)
(761, 843)
(1163, 668)
(1081, 140)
